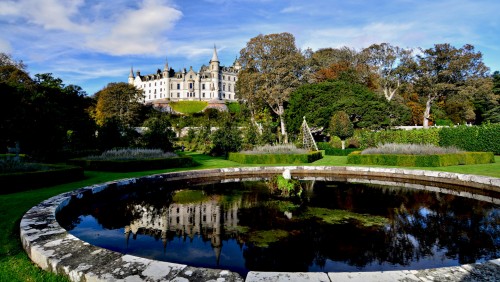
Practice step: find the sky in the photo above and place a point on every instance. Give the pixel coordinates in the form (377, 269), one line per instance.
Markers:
(91, 43)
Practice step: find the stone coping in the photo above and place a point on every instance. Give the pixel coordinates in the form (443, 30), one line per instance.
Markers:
(53, 249)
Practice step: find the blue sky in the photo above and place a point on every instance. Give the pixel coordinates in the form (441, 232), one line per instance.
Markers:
(91, 43)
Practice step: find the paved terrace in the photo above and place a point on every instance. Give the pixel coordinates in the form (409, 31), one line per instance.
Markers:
(54, 249)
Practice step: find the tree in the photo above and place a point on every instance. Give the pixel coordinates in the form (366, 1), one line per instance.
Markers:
(319, 101)
(158, 134)
(386, 60)
(118, 100)
(444, 70)
(273, 68)
(341, 126)
(227, 138)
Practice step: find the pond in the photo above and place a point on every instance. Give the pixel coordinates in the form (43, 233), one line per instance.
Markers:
(333, 226)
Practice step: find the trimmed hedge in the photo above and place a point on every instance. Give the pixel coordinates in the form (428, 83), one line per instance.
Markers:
(369, 139)
(21, 181)
(275, 158)
(331, 151)
(485, 138)
(466, 158)
(134, 165)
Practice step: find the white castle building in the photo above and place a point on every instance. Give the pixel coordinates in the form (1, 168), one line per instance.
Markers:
(212, 82)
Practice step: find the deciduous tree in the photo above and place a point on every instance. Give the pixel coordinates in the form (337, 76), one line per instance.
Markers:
(341, 126)
(273, 69)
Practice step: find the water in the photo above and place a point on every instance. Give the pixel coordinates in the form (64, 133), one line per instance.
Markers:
(333, 226)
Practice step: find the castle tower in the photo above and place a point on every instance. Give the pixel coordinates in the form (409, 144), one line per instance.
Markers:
(131, 76)
(214, 70)
(165, 69)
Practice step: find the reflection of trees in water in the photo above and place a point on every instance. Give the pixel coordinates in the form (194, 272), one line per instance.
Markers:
(421, 224)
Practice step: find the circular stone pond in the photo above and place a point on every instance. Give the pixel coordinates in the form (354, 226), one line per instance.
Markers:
(225, 225)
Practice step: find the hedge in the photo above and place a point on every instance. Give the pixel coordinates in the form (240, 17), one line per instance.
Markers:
(466, 158)
(484, 138)
(274, 158)
(369, 139)
(331, 151)
(56, 174)
(133, 165)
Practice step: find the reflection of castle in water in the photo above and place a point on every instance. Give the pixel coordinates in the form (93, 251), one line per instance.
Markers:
(209, 219)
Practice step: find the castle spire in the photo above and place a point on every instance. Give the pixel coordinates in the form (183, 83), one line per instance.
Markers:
(166, 64)
(131, 74)
(215, 58)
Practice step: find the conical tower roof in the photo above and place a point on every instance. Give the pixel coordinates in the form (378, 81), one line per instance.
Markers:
(215, 58)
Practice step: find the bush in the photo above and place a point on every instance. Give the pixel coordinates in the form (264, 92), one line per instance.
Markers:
(410, 149)
(466, 158)
(133, 164)
(132, 154)
(417, 136)
(276, 149)
(50, 175)
(274, 158)
(483, 138)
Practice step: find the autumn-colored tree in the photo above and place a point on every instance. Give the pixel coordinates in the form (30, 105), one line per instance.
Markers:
(443, 71)
(388, 62)
(273, 69)
(120, 101)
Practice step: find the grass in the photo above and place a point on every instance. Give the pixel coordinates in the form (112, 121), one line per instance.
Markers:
(188, 107)
(15, 265)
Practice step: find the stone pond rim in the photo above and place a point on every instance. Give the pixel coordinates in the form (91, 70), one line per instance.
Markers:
(53, 249)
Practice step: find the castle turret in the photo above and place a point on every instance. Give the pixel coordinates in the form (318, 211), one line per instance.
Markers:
(214, 70)
(131, 76)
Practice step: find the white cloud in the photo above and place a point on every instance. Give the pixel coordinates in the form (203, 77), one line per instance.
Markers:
(137, 31)
(50, 14)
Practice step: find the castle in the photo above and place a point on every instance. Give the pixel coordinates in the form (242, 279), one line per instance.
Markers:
(212, 82)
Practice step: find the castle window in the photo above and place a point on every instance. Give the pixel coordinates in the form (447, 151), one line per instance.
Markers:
(155, 83)
(203, 86)
(229, 87)
(224, 77)
(150, 84)
(223, 87)
(190, 76)
(178, 86)
(178, 95)
(190, 85)
(203, 94)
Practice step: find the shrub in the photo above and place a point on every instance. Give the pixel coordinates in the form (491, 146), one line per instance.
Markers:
(134, 164)
(233, 107)
(226, 139)
(275, 158)
(466, 158)
(132, 154)
(49, 175)
(484, 138)
(410, 149)
(276, 149)
(417, 136)
(284, 187)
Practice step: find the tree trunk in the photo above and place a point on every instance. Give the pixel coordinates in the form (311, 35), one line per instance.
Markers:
(427, 112)
(283, 130)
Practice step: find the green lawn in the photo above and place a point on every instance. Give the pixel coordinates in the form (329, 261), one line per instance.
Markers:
(15, 264)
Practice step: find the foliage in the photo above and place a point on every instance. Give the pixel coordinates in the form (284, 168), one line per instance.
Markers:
(444, 71)
(275, 149)
(188, 107)
(118, 101)
(129, 165)
(263, 238)
(467, 158)
(283, 187)
(189, 197)
(233, 107)
(132, 154)
(226, 139)
(373, 138)
(329, 216)
(24, 176)
(274, 158)
(318, 102)
(341, 126)
(158, 133)
(483, 138)
(272, 70)
(409, 149)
